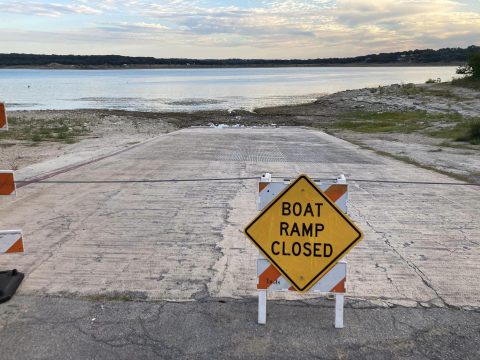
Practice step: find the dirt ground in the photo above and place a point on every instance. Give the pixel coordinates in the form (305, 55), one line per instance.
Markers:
(105, 132)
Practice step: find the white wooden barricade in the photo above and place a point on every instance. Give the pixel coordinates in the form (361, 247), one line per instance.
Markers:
(11, 241)
(270, 279)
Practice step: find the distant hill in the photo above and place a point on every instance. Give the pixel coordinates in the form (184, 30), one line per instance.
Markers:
(414, 57)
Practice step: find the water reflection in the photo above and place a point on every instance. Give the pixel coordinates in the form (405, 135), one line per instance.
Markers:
(194, 89)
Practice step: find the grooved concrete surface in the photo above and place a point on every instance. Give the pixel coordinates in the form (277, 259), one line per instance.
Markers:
(183, 240)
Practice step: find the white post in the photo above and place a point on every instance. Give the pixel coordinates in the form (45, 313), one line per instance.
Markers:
(339, 311)
(262, 307)
(339, 298)
(262, 294)
(267, 177)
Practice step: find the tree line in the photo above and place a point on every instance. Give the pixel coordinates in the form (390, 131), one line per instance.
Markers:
(426, 56)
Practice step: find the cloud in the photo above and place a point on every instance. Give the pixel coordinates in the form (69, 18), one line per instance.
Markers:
(389, 12)
(278, 21)
(139, 27)
(408, 23)
(47, 9)
(264, 28)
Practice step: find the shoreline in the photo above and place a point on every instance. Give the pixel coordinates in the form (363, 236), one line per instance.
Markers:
(146, 67)
(88, 132)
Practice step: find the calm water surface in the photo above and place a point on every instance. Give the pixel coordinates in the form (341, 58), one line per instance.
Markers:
(194, 89)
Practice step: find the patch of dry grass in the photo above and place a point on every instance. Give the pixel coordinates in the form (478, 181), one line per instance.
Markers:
(65, 130)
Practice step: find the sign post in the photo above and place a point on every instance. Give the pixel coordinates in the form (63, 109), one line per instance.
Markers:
(302, 232)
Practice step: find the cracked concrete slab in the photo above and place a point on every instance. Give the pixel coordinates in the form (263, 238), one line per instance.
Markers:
(182, 240)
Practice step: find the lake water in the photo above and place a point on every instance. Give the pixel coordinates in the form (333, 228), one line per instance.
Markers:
(194, 89)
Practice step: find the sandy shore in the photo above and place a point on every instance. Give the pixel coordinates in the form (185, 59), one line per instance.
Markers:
(105, 131)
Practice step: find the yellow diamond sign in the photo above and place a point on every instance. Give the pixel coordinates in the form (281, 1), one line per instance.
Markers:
(303, 233)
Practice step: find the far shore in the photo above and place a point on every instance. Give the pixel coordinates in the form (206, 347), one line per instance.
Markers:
(193, 66)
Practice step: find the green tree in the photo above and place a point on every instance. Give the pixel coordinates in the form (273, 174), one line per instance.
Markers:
(474, 64)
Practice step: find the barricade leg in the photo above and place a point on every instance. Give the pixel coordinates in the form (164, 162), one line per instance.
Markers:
(339, 311)
(262, 307)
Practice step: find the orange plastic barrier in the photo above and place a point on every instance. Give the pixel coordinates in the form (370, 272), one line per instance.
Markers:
(3, 117)
(7, 183)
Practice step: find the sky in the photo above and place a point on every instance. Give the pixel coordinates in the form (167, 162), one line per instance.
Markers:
(236, 28)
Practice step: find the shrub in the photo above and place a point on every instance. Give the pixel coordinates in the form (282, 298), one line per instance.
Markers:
(472, 68)
(474, 63)
(464, 70)
(473, 132)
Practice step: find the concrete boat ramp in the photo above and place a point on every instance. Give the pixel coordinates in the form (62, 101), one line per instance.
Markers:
(163, 221)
